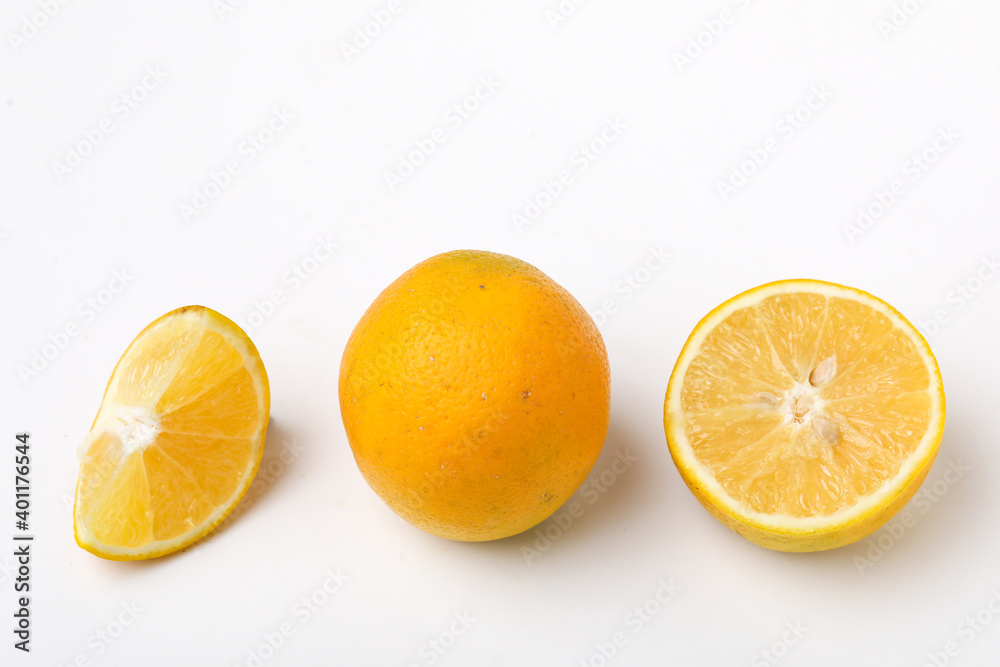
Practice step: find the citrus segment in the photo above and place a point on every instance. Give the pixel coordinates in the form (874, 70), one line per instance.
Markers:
(177, 440)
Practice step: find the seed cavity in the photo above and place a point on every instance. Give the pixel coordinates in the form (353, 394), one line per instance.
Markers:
(826, 430)
(824, 372)
(802, 406)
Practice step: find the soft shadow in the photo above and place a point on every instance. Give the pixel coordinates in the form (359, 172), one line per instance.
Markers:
(932, 515)
(934, 507)
(280, 456)
(603, 498)
(604, 515)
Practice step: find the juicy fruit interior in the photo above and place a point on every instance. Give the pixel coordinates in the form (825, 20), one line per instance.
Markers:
(173, 439)
(804, 403)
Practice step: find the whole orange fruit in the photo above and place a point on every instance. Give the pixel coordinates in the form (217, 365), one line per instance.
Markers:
(475, 394)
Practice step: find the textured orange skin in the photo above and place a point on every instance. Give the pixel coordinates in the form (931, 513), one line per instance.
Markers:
(475, 394)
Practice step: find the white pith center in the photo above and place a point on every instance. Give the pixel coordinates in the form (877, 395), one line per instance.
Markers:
(803, 404)
(135, 427)
(806, 405)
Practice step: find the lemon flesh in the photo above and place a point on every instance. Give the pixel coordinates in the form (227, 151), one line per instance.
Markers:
(177, 440)
(804, 414)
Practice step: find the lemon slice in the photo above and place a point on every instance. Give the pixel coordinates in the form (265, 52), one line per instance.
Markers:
(177, 440)
(804, 414)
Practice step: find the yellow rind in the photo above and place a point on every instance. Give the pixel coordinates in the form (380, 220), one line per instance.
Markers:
(811, 534)
(235, 335)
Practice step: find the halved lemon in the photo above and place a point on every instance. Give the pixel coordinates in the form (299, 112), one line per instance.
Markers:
(177, 440)
(804, 414)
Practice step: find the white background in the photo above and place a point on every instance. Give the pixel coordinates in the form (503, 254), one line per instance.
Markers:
(69, 223)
